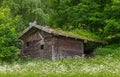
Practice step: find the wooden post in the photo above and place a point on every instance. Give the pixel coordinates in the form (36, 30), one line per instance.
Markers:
(60, 52)
(53, 53)
(53, 49)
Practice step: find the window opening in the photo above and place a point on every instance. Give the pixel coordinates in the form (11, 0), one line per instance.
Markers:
(28, 44)
(42, 47)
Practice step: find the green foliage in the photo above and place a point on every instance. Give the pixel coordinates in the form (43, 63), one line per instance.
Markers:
(81, 17)
(109, 50)
(86, 34)
(79, 14)
(112, 28)
(100, 66)
(112, 22)
(99, 17)
(80, 33)
(31, 10)
(8, 34)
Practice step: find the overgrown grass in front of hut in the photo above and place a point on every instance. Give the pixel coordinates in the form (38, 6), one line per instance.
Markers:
(106, 63)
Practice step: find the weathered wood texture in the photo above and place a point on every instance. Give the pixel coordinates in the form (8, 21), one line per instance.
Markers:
(34, 48)
(43, 45)
(46, 43)
(67, 48)
(42, 42)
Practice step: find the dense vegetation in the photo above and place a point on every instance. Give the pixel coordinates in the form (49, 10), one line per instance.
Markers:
(96, 19)
(76, 16)
(104, 65)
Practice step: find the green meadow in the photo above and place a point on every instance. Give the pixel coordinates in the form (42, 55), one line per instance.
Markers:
(106, 63)
(91, 20)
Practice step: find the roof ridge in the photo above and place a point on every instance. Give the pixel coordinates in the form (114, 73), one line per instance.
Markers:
(55, 32)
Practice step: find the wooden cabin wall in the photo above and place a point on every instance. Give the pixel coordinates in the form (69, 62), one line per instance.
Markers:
(67, 48)
(34, 48)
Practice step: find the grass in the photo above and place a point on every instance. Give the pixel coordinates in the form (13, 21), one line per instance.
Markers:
(79, 33)
(105, 64)
(86, 34)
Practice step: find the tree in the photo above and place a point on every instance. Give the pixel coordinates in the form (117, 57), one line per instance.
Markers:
(32, 10)
(8, 35)
(72, 14)
(112, 22)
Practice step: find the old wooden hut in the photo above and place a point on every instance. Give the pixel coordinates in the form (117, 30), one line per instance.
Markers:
(46, 43)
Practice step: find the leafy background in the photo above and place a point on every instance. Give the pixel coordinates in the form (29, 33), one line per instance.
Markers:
(99, 17)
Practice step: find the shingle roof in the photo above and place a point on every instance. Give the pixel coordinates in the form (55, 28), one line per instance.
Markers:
(57, 32)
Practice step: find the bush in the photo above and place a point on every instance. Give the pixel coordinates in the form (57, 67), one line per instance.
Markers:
(8, 35)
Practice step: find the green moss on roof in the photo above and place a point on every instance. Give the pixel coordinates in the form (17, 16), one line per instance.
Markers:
(86, 34)
(78, 33)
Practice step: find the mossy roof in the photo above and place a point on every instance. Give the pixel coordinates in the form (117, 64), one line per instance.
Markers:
(59, 32)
